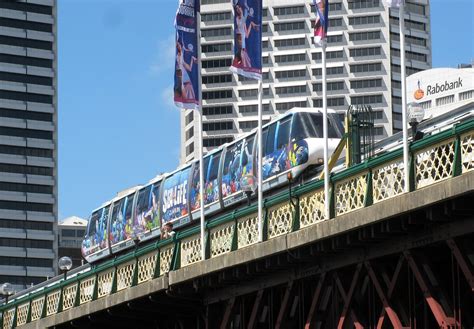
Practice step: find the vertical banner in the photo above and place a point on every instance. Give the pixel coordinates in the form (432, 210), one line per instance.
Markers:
(321, 9)
(186, 76)
(247, 38)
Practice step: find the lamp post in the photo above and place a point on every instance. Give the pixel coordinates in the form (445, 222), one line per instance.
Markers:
(65, 264)
(249, 185)
(416, 113)
(6, 290)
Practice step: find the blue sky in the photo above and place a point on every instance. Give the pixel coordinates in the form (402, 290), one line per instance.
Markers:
(117, 124)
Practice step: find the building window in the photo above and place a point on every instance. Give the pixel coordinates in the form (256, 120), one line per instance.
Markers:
(189, 117)
(40, 244)
(466, 95)
(216, 32)
(362, 84)
(21, 261)
(329, 55)
(364, 36)
(210, 79)
(26, 43)
(289, 105)
(248, 93)
(68, 233)
(410, 55)
(26, 170)
(216, 47)
(332, 102)
(24, 78)
(28, 133)
(290, 26)
(214, 17)
(415, 8)
(409, 24)
(190, 133)
(290, 42)
(329, 71)
(425, 105)
(26, 225)
(249, 125)
(217, 110)
(290, 74)
(217, 141)
(364, 52)
(26, 188)
(366, 99)
(334, 38)
(284, 11)
(290, 90)
(379, 131)
(190, 149)
(26, 151)
(364, 20)
(216, 63)
(29, 7)
(253, 108)
(362, 4)
(409, 39)
(26, 97)
(24, 60)
(444, 100)
(216, 94)
(333, 22)
(218, 125)
(290, 58)
(363, 68)
(331, 86)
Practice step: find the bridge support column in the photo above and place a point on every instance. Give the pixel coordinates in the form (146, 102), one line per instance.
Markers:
(465, 268)
(314, 302)
(256, 306)
(348, 299)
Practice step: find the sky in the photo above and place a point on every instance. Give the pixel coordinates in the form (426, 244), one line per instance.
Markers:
(118, 126)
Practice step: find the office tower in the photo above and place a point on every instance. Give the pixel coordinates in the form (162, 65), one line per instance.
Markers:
(28, 141)
(363, 65)
(71, 231)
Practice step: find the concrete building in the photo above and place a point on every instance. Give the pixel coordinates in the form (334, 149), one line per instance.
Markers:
(363, 65)
(28, 141)
(71, 231)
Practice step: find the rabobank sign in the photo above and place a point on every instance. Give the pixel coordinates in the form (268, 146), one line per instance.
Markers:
(446, 86)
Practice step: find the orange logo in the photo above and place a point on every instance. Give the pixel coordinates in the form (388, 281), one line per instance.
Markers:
(419, 93)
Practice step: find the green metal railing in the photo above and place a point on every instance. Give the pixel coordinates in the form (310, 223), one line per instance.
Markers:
(433, 159)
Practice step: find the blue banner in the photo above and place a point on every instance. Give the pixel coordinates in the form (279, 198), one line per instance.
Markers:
(247, 38)
(186, 76)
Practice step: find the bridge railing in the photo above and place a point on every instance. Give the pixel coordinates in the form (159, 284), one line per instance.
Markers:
(433, 159)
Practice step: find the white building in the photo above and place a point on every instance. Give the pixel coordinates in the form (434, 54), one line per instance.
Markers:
(441, 90)
(363, 65)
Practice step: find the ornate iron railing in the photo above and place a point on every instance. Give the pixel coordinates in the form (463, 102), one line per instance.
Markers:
(433, 159)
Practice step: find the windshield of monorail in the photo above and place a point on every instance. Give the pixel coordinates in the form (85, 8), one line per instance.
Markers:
(96, 235)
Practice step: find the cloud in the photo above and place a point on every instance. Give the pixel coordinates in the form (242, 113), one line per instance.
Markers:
(167, 96)
(164, 57)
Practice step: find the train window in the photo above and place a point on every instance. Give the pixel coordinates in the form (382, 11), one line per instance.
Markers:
(310, 125)
(117, 223)
(212, 186)
(270, 140)
(231, 169)
(247, 159)
(283, 133)
(335, 122)
(141, 209)
(128, 209)
(92, 222)
(174, 199)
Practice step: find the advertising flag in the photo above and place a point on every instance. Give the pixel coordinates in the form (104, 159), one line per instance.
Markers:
(321, 24)
(393, 3)
(186, 76)
(247, 38)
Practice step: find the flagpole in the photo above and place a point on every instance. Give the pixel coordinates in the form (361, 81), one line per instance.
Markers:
(404, 96)
(325, 132)
(259, 160)
(201, 152)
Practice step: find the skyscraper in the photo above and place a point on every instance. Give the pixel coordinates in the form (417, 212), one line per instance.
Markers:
(28, 141)
(363, 65)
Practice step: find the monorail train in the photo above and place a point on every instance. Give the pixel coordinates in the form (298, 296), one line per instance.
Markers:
(291, 143)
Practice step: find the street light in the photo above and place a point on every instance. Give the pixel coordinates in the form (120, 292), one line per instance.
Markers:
(6, 290)
(65, 264)
(248, 183)
(416, 113)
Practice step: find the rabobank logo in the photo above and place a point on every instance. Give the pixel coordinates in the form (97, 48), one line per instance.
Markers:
(419, 93)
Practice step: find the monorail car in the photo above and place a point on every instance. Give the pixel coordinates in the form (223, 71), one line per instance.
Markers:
(292, 142)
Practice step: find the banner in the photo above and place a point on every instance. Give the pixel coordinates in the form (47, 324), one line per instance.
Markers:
(321, 24)
(247, 38)
(186, 76)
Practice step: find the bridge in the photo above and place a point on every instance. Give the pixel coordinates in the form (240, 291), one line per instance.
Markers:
(384, 259)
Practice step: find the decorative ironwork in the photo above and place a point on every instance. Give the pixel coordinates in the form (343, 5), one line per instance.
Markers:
(191, 250)
(52, 302)
(86, 290)
(350, 194)
(104, 283)
(312, 208)
(467, 152)
(434, 164)
(221, 239)
(388, 180)
(166, 256)
(22, 314)
(69, 296)
(247, 231)
(280, 219)
(125, 275)
(8, 317)
(37, 308)
(146, 267)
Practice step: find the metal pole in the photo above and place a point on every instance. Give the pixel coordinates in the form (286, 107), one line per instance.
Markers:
(259, 161)
(325, 133)
(201, 155)
(404, 96)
